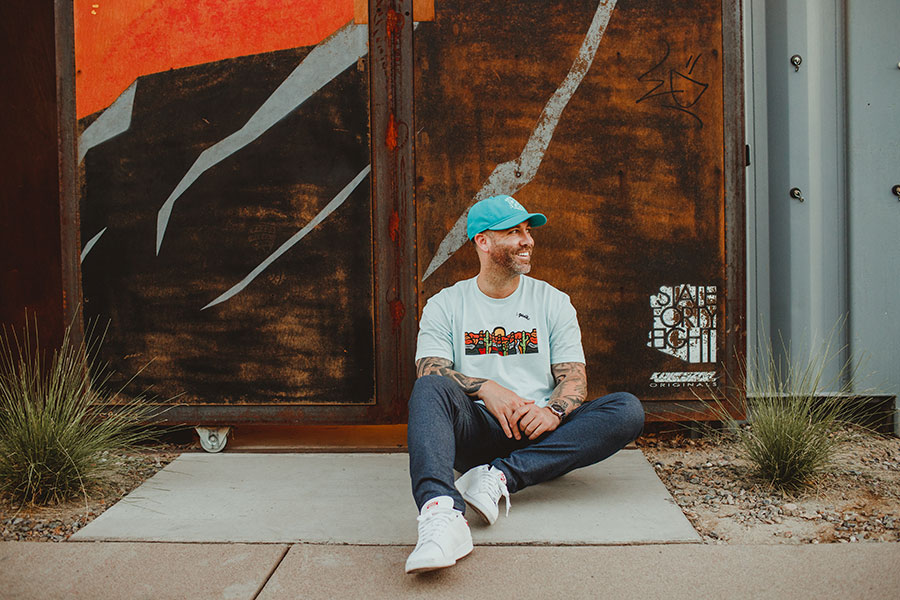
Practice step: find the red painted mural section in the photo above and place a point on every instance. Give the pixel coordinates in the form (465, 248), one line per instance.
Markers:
(117, 41)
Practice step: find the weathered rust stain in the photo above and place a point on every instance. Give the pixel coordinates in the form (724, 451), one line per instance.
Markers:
(394, 226)
(398, 311)
(394, 22)
(390, 136)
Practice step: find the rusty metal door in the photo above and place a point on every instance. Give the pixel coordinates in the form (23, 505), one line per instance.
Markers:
(230, 233)
(622, 121)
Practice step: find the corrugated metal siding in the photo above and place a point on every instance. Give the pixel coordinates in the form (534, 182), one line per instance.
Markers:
(873, 109)
(830, 128)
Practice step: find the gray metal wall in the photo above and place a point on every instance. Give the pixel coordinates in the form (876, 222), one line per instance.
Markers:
(873, 159)
(831, 128)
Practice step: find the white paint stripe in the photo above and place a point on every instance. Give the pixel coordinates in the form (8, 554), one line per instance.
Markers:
(91, 243)
(325, 62)
(115, 120)
(510, 177)
(323, 214)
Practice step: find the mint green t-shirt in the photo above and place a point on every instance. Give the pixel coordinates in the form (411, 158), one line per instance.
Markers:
(511, 340)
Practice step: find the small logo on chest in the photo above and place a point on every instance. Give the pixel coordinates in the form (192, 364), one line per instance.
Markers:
(524, 316)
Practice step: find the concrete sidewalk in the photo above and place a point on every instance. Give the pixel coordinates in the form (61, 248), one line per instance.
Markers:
(341, 526)
(365, 499)
(101, 570)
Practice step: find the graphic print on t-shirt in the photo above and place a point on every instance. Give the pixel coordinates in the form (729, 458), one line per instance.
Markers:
(499, 342)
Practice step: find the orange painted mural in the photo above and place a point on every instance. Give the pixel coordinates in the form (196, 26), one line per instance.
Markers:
(117, 41)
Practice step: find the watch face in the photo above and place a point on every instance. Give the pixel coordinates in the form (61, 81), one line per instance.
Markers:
(559, 410)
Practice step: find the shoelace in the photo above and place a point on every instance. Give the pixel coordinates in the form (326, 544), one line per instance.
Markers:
(432, 522)
(495, 487)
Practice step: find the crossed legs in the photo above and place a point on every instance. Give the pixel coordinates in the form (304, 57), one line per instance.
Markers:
(448, 430)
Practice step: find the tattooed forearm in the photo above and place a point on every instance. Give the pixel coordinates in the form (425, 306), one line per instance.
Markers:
(432, 365)
(571, 385)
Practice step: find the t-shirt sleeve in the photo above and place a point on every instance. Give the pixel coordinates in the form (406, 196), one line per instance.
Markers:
(565, 335)
(435, 331)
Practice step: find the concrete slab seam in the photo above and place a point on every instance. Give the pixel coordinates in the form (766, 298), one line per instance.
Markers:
(271, 572)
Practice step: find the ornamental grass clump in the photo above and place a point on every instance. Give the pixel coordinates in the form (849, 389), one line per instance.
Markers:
(791, 440)
(796, 418)
(57, 417)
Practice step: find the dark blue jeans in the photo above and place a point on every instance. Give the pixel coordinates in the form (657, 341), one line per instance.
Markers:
(448, 430)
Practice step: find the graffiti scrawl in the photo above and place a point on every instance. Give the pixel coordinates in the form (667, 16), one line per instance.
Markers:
(678, 89)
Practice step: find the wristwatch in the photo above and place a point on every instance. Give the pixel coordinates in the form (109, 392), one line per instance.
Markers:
(559, 410)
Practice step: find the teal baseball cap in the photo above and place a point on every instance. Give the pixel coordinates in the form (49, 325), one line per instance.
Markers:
(499, 212)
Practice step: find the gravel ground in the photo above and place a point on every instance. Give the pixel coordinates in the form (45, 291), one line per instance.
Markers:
(124, 472)
(858, 500)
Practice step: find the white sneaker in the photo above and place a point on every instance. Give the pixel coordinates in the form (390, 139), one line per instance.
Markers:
(481, 488)
(444, 537)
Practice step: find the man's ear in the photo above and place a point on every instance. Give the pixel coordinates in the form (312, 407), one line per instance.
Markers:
(482, 241)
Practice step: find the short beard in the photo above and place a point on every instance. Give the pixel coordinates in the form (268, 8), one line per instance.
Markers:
(507, 261)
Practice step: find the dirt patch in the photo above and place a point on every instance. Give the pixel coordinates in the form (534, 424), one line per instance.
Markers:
(858, 500)
(124, 471)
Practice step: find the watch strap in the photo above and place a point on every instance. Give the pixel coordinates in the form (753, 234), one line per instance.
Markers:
(558, 410)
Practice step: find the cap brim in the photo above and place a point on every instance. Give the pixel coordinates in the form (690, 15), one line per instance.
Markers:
(534, 219)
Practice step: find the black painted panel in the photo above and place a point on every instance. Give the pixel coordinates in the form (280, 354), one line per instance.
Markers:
(302, 331)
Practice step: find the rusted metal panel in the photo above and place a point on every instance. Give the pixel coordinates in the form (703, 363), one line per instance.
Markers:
(271, 413)
(422, 10)
(611, 118)
(236, 252)
(394, 227)
(34, 153)
(318, 438)
(303, 339)
(70, 238)
(735, 207)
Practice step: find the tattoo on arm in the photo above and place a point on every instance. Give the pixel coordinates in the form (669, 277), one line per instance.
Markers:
(571, 385)
(432, 365)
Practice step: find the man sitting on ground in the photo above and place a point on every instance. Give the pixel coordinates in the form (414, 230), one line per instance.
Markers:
(501, 389)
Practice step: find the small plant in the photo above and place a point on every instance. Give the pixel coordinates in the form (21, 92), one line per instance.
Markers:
(56, 417)
(796, 418)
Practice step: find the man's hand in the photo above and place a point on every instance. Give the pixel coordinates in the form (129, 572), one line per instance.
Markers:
(504, 404)
(534, 421)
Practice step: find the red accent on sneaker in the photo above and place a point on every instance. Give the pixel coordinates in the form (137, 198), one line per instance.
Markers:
(431, 504)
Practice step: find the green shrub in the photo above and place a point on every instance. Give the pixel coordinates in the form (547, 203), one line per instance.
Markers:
(791, 440)
(796, 418)
(56, 417)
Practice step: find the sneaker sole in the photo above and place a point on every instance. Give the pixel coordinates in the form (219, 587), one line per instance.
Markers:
(480, 511)
(463, 552)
